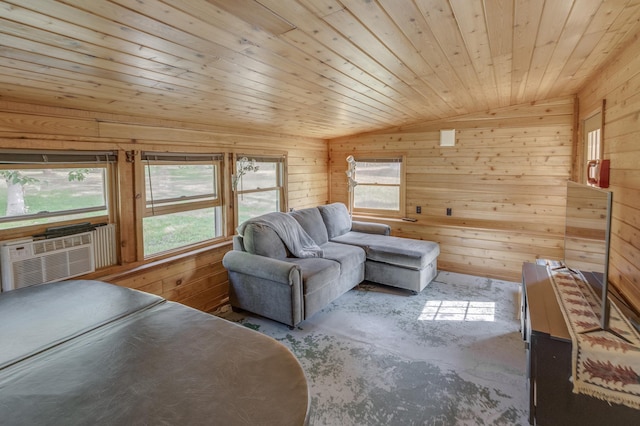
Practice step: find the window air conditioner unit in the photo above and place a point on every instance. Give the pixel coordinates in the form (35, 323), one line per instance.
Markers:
(29, 262)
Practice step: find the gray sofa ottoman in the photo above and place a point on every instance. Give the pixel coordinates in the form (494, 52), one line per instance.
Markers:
(399, 262)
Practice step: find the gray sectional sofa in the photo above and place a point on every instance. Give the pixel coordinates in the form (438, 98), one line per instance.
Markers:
(288, 266)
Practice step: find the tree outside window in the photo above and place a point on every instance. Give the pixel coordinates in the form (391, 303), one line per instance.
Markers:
(46, 188)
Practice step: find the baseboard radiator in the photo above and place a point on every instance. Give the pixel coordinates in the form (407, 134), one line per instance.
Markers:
(104, 246)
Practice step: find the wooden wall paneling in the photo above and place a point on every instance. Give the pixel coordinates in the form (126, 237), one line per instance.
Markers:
(36, 124)
(129, 124)
(624, 275)
(625, 238)
(577, 153)
(128, 222)
(227, 196)
(475, 248)
(172, 284)
(504, 180)
(213, 297)
(284, 196)
(618, 83)
(138, 202)
(198, 278)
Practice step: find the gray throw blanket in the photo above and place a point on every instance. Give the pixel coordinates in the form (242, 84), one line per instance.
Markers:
(299, 243)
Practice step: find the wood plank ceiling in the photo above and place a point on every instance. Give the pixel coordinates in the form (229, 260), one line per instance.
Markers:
(317, 68)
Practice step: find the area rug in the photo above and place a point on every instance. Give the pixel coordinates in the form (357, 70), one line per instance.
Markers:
(605, 364)
(451, 355)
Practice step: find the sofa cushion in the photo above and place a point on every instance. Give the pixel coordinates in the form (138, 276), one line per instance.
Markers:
(262, 240)
(336, 218)
(406, 252)
(317, 272)
(349, 257)
(311, 221)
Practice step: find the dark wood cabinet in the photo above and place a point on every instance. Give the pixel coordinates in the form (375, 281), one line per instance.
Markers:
(548, 348)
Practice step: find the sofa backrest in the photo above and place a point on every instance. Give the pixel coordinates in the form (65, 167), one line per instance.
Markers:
(322, 223)
(313, 224)
(336, 219)
(262, 240)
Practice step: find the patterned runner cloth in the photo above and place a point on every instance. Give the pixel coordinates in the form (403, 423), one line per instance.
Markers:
(604, 365)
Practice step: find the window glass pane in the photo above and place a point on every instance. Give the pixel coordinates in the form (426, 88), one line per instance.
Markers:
(47, 195)
(256, 203)
(182, 202)
(175, 181)
(266, 175)
(593, 145)
(169, 231)
(254, 176)
(379, 184)
(378, 172)
(592, 137)
(377, 197)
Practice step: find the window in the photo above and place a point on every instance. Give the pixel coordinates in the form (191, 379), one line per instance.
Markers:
(593, 145)
(379, 188)
(182, 200)
(50, 187)
(258, 184)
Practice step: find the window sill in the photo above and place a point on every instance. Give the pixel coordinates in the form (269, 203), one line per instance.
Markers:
(115, 272)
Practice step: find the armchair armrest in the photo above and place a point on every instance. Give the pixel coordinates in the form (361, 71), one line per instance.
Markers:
(261, 267)
(370, 227)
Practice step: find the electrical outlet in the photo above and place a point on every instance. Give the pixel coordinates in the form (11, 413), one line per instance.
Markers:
(418, 209)
(449, 211)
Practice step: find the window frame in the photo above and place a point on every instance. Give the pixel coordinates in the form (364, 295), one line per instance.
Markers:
(281, 177)
(387, 158)
(593, 144)
(167, 206)
(62, 159)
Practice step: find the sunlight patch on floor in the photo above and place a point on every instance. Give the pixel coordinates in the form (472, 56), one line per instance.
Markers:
(454, 310)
